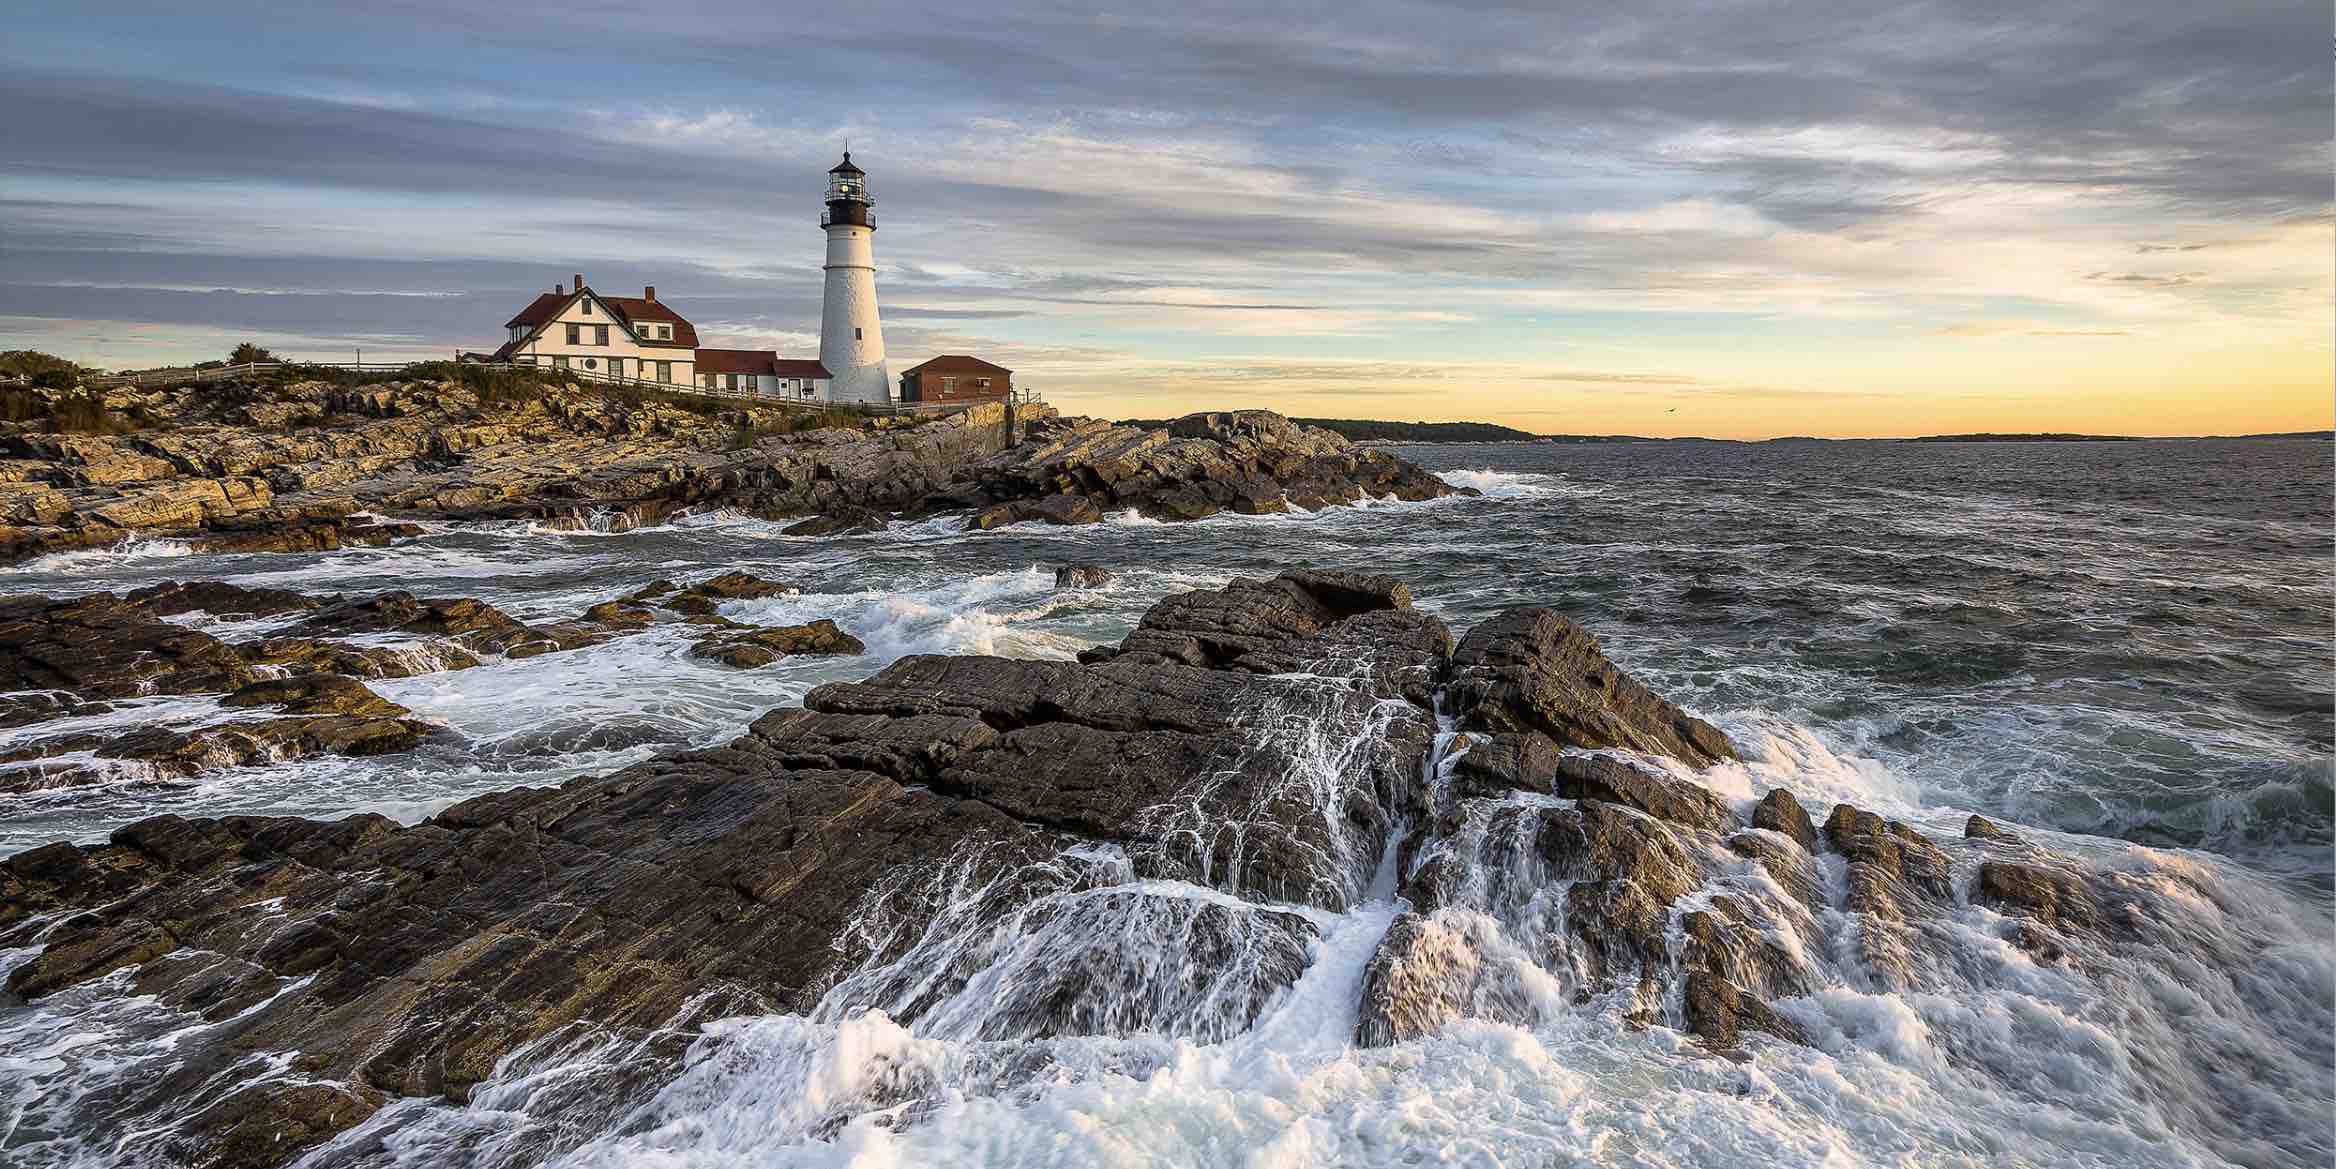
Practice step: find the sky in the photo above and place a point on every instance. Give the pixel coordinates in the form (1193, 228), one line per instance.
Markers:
(1738, 220)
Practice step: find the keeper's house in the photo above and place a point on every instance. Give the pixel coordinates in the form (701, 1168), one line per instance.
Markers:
(640, 338)
(955, 378)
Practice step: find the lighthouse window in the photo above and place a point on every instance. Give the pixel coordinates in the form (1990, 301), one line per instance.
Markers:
(856, 335)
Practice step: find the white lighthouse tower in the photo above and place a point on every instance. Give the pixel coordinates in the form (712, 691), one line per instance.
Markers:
(851, 339)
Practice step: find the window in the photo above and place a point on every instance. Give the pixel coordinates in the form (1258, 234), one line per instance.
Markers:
(857, 336)
(600, 334)
(592, 363)
(981, 383)
(665, 371)
(574, 333)
(616, 366)
(730, 381)
(561, 362)
(707, 380)
(948, 386)
(585, 306)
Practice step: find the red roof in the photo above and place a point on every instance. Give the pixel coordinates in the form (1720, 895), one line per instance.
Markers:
(759, 361)
(634, 310)
(955, 363)
(734, 360)
(629, 311)
(544, 308)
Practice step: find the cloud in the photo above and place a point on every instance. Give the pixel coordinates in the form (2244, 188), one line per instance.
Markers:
(1451, 183)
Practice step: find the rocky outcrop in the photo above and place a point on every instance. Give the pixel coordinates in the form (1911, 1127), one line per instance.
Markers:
(1534, 670)
(1082, 576)
(1073, 471)
(311, 466)
(69, 658)
(995, 850)
(431, 951)
(750, 647)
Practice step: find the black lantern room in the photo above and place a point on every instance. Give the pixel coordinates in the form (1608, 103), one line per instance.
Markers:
(847, 196)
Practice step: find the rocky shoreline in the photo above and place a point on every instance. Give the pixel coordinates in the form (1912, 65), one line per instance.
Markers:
(66, 659)
(994, 849)
(301, 466)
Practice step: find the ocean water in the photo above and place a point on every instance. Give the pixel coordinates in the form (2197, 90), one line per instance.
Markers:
(2123, 648)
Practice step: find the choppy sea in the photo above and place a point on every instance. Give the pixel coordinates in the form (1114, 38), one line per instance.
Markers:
(2123, 648)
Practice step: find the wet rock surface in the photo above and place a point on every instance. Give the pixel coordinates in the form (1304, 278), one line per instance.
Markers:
(747, 648)
(72, 658)
(990, 849)
(1073, 471)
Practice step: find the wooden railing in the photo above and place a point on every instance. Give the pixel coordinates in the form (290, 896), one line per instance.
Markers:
(189, 374)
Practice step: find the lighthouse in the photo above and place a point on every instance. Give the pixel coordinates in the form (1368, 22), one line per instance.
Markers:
(851, 339)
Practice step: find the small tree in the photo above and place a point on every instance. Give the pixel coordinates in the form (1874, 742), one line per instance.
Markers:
(57, 379)
(247, 353)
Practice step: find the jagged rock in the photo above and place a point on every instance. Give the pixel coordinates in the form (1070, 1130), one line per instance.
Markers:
(620, 614)
(1893, 872)
(691, 604)
(844, 520)
(1059, 509)
(1250, 461)
(1207, 789)
(1792, 868)
(1533, 670)
(1981, 828)
(102, 646)
(735, 586)
(221, 599)
(1419, 979)
(1533, 762)
(470, 623)
(322, 655)
(296, 467)
(761, 647)
(1082, 576)
(741, 866)
(1718, 1011)
(2051, 897)
(1778, 811)
(184, 753)
(317, 694)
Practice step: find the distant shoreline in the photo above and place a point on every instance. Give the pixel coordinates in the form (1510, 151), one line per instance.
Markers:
(1626, 439)
(1391, 433)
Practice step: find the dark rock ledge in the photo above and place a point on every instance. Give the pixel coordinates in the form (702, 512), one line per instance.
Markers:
(309, 466)
(68, 658)
(737, 876)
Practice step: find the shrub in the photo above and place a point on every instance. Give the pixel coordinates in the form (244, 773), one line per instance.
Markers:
(82, 413)
(31, 364)
(247, 353)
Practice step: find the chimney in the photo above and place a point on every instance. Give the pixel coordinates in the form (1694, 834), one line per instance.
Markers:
(579, 282)
(649, 293)
(559, 290)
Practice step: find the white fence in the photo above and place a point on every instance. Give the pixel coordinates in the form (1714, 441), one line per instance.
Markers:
(178, 377)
